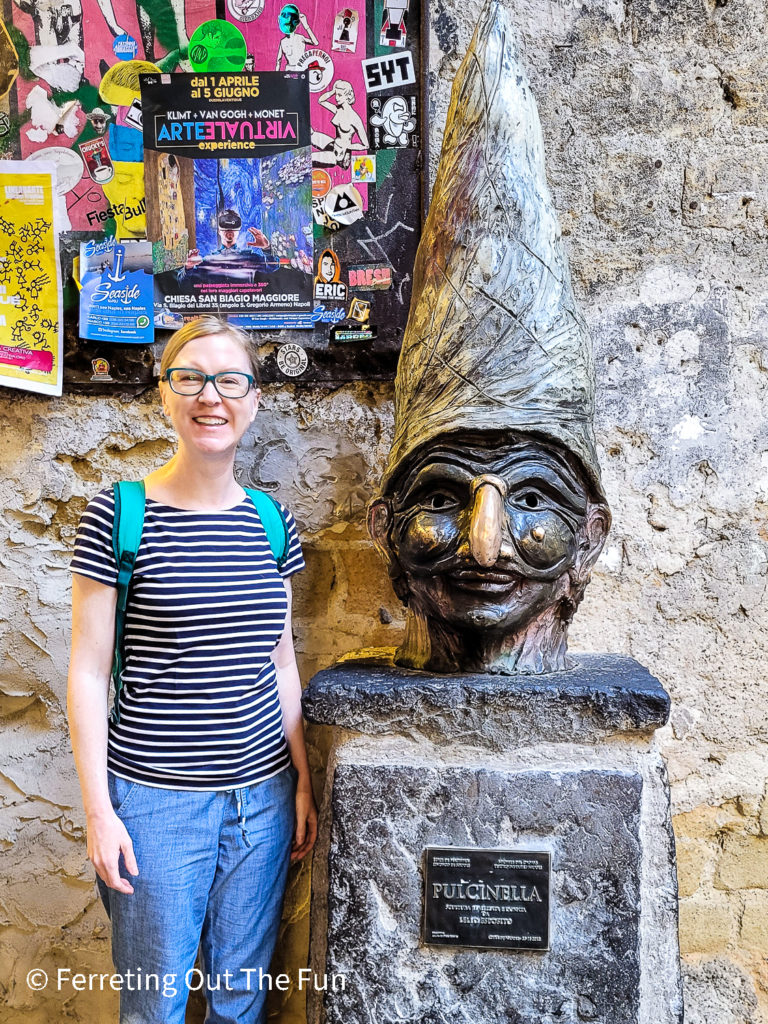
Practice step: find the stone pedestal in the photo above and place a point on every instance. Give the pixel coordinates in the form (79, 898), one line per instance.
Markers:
(562, 763)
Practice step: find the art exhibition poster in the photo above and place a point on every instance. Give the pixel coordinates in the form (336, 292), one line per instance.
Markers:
(228, 178)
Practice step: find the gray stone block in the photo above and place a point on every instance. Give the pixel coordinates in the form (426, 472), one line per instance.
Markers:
(383, 817)
(601, 695)
(562, 764)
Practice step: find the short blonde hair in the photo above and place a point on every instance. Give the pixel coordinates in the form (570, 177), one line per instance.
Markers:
(203, 327)
(346, 87)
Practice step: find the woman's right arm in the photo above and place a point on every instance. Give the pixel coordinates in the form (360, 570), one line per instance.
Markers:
(324, 101)
(93, 632)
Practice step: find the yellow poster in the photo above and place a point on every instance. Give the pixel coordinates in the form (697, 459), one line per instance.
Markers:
(30, 292)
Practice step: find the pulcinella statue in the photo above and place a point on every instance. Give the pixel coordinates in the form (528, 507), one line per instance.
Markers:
(491, 512)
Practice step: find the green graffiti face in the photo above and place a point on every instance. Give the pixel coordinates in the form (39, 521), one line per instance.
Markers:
(288, 19)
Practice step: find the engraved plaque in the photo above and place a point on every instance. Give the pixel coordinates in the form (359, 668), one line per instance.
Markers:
(486, 899)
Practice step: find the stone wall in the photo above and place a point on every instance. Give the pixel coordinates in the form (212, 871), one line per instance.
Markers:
(656, 134)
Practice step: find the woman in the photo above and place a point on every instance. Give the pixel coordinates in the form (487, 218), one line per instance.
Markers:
(347, 123)
(196, 788)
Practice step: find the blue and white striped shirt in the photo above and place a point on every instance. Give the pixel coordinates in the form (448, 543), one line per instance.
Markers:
(199, 707)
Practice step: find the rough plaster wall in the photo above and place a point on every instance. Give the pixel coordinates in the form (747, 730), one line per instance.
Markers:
(656, 133)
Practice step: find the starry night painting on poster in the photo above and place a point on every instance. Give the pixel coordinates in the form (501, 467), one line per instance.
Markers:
(228, 172)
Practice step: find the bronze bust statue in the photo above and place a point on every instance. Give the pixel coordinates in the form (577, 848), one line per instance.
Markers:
(491, 512)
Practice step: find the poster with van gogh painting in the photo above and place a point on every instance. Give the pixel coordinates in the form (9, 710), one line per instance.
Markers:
(228, 171)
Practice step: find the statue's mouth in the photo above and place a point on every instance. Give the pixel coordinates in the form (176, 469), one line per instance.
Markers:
(488, 581)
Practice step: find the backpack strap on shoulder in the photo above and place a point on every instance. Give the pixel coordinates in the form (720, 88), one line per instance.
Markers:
(273, 522)
(126, 535)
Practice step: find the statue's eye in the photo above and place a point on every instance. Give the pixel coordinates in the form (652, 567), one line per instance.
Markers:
(439, 501)
(528, 501)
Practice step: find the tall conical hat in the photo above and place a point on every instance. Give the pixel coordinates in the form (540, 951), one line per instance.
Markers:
(494, 340)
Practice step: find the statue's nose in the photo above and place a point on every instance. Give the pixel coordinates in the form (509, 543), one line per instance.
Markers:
(487, 519)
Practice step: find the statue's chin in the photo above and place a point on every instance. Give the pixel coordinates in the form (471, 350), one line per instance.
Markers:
(487, 639)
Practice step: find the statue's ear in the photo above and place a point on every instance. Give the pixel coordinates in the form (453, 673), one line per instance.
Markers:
(379, 526)
(591, 540)
(380, 522)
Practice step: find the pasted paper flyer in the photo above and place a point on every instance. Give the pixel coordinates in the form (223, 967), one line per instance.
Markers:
(116, 291)
(30, 292)
(228, 178)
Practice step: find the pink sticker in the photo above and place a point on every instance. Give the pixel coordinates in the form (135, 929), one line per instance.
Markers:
(27, 358)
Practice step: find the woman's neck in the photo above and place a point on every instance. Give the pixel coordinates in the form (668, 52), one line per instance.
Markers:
(195, 484)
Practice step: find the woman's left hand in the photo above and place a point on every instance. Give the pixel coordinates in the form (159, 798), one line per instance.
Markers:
(306, 822)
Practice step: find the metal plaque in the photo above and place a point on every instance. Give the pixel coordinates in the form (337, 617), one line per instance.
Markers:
(486, 899)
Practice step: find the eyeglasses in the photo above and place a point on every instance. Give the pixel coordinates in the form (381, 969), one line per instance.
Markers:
(229, 384)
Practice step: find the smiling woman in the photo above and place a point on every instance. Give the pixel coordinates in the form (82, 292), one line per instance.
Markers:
(197, 790)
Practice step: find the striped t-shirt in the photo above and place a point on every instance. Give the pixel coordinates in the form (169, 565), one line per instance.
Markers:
(199, 707)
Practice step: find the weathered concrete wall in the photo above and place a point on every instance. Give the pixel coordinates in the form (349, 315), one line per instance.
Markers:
(656, 132)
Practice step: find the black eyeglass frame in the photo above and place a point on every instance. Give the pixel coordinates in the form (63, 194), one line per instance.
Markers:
(207, 377)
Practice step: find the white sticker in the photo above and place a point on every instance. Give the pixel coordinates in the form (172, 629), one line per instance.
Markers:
(69, 166)
(343, 206)
(245, 10)
(345, 27)
(133, 115)
(318, 66)
(388, 72)
(292, 360)
(393, 30)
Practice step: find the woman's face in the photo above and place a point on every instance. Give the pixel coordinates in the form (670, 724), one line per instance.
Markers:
(208, 423)
(342, 93)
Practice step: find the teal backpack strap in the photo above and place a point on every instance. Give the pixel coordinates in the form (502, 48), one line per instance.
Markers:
(274, 525)
(126, 535)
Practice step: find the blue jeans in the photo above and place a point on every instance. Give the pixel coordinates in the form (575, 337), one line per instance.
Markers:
(212, 873)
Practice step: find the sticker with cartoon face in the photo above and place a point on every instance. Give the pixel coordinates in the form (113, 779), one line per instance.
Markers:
(318, 67)
(101, 372)
(245, 10)
(328, 284)
(393, 122)
(364, 169)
